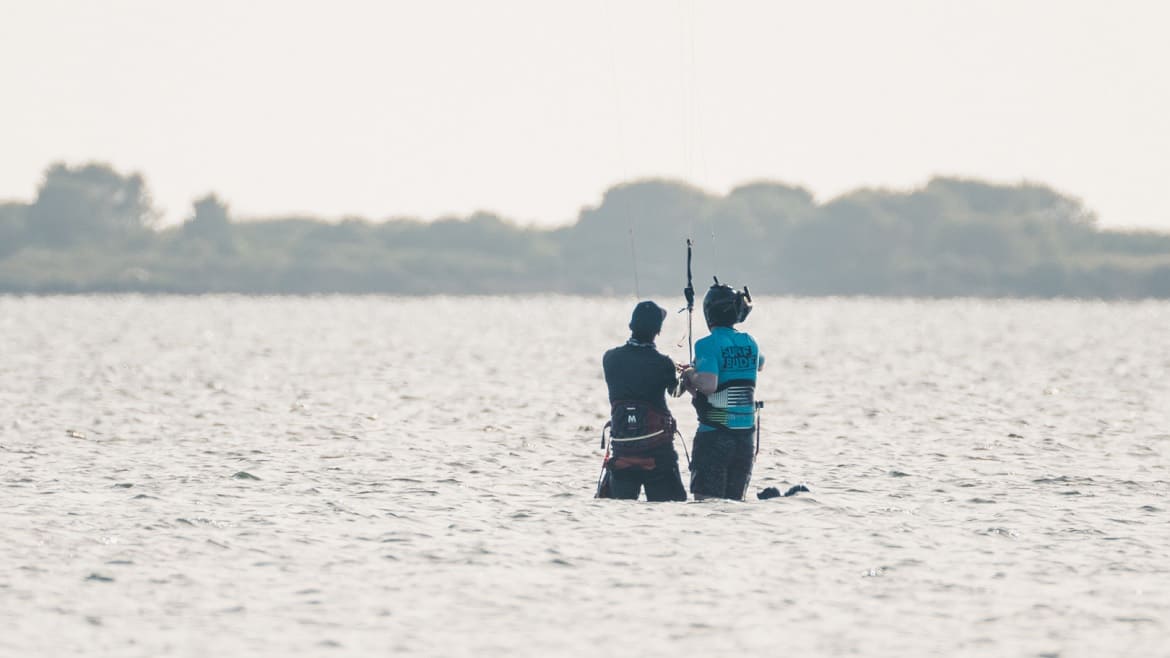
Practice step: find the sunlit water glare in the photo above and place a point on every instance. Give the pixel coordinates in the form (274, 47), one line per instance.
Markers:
(217, 476)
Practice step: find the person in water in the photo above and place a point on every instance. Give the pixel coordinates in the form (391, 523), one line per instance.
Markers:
(722, 384)
(642, 430)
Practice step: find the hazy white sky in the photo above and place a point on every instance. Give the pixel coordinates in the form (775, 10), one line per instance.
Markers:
(533, 108)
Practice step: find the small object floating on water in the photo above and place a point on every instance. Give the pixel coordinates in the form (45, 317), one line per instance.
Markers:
(773, 492)
(244, 475)
(74, 434)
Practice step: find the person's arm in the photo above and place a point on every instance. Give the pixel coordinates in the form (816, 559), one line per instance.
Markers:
(674, 386)
(703, 376)
(702, 382)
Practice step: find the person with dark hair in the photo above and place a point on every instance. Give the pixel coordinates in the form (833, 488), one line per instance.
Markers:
(641, 427)
(722, 384)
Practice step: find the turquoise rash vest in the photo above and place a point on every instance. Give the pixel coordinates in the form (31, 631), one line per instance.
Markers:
(734, 357)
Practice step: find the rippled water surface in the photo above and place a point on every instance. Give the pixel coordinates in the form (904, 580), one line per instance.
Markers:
(359, 476)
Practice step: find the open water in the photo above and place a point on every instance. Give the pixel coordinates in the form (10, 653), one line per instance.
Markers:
(231, 476)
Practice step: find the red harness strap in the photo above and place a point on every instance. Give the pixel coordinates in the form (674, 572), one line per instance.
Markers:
(631, 461)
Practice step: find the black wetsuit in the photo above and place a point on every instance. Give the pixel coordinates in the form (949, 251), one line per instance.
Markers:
(639, 372)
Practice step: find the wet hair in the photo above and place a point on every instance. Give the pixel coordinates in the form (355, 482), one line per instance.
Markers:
(646, 321)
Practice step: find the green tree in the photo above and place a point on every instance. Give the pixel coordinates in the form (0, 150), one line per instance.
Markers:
(211, 222)
(636, 237)
(12, 227)
(89, 203)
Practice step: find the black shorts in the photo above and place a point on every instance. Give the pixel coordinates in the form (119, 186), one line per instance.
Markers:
(722, 463)
(661, 483)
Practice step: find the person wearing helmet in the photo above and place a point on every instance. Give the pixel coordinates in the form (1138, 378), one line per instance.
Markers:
(722, 384)
(641, 427)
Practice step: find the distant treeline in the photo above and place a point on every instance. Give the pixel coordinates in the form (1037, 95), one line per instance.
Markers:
(92, 229)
